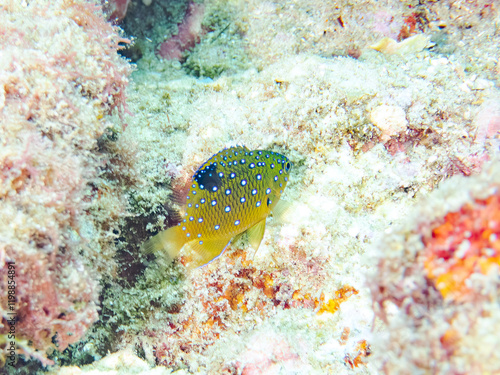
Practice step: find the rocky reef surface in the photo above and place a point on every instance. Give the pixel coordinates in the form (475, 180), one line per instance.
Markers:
(388, 259)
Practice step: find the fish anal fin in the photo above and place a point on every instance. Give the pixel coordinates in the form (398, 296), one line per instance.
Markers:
(202, 252)
(237, 237)
(167, 243)
(256, 233)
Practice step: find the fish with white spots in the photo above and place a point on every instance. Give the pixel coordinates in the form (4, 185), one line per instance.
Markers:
(231, 193)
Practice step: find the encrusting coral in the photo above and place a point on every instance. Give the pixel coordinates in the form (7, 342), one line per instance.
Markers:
(437, 285)
(60, 78)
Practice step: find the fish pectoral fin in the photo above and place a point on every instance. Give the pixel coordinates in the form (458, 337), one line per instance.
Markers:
(256, 233)
(168, 242)
(282, 211)
(200, 254)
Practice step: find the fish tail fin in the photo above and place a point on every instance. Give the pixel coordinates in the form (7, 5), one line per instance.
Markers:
(168, 242)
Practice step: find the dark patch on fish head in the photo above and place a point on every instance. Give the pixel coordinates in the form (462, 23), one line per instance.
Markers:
(208, 178)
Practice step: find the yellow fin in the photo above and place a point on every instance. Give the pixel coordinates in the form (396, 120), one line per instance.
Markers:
(256, 233)
(413, 44)
(282, 210)
(207, 251)
(168, 242)
(237, 237)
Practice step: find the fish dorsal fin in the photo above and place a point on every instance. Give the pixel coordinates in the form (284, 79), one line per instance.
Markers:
(256, 233)
(281, 210)
(178, 197)
(204, 251)
(232, 150)
(174, 216)
(168, 242)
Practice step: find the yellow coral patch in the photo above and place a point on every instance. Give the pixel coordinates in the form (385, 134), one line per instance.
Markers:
(333, 304)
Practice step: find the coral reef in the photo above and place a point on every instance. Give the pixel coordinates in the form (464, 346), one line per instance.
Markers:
(123, 362)
(188, 34)
(222, 48)
(269, 354)
(464, 244)
(117, 9)
(347, 29)
(437, 285)
(351, 181)
(151, 24)
(206, 39)
(60, 77)
(370, 133)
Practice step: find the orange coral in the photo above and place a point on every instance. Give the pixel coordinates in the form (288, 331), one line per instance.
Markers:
(345, 336)
(363, 350)
(450, 340)
(333, 304)
(466, 242)
(240, 291)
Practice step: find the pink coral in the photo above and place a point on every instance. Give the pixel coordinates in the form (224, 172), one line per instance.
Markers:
(60, 76)
(462, 243)
(188, 35)
(437, 285)
(268, 354)
(116, 8)
(386, 23)
(487, 121)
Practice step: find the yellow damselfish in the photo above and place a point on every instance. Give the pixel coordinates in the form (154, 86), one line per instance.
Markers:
(231, 193)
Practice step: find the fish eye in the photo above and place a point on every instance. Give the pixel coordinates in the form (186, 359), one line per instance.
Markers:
(287, 166)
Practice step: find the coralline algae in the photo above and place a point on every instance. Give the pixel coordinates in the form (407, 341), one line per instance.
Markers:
(436, 284)
(60, 79)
